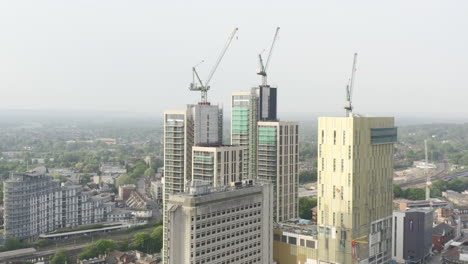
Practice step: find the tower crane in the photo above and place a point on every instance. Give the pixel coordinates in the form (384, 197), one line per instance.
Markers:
(349, 89)
(263, 67)
(197, 84)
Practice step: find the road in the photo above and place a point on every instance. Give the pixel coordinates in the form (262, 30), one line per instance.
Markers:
(307, 193)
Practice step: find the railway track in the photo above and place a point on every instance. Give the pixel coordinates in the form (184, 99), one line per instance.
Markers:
(437, 176)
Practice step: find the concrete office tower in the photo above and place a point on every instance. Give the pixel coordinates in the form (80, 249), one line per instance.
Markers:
(221, 225)
(355, 191)
(244, 117)
(412, 235)
(278, 157)
(218, 166)
(206, 124)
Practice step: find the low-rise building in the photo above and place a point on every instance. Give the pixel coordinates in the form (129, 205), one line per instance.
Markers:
(105, 178)
(125, 191)
(119, 215)
(136, 201)
(441, 234)
(412, 235)
(295, 242)
(405, 204)
(112, 168)
(457, 253)
(463, 213)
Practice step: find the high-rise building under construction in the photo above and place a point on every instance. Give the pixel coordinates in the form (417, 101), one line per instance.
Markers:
(355, 191)
(244, 117)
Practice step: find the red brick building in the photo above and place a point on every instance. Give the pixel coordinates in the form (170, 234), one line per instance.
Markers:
(441, 234)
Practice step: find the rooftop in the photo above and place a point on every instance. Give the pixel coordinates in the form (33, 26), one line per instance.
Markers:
(441, 229)
(297, 226)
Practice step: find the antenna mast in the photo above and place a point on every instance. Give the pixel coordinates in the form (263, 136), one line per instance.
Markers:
(197, 84)
(349, 89)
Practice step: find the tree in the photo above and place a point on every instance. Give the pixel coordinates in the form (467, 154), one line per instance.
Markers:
(306, 176)
(305, 207)
(13, 243)
(143, 242)
(397, 191)
(85, 178)
(157, 236)
(415, 194)
(125, 179)
(100, 247)
(61, 178)
(149, 172)
(61, 257)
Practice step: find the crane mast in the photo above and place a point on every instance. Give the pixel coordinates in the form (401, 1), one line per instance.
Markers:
(349, 89)
(197, 84)
(264, 67)
(428, 177)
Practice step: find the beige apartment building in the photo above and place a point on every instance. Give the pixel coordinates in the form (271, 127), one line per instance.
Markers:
(355, 189)
(277, 163)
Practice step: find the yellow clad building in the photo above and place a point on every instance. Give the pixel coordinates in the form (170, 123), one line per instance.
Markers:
(355, 189)
(294, 243)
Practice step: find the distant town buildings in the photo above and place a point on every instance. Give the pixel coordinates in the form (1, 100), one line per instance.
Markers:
(119, 257)
(456, 197)
(220, 224)
(109, 172)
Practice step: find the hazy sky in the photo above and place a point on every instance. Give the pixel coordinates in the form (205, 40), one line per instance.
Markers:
(137, 55)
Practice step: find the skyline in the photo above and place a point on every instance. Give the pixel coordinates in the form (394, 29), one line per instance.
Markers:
(138, 58)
